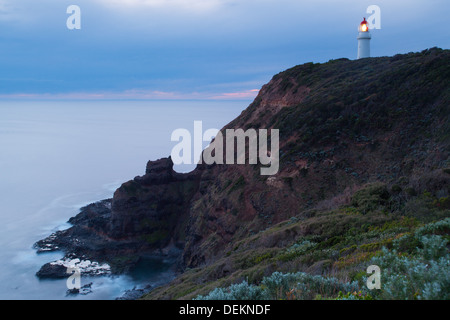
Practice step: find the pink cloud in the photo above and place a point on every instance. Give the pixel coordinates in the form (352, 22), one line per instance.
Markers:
(135, 94)
(248, 94)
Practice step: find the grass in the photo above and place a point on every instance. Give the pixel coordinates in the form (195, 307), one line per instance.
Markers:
(337, 243)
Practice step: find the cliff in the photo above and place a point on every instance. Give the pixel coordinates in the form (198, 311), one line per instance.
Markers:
(345, 127)
(343, 124)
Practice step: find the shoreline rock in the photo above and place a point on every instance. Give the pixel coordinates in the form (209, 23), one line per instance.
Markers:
(59, 268)
(146, 217)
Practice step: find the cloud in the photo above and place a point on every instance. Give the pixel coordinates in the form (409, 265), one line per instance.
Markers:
(135, 94)
(198, 6)
(7, 13)
(247, 94)
(124, 95)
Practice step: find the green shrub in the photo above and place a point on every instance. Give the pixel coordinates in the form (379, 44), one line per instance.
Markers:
(263, 257)
(422, 274)
(296, 250)
(304, 286)
(279, 285)
(240, 291)
(370, 198)
(416, 267)
(354, 296)
(441, 227)
(442, 203)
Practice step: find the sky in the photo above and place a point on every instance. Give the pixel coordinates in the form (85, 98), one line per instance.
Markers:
(193, 49)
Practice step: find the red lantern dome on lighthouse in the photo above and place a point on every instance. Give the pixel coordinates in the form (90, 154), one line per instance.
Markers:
(364, 26)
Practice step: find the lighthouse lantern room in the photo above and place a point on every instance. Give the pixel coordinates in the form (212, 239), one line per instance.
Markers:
(364, 40)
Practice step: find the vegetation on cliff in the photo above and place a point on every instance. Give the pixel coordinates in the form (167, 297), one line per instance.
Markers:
(325, 254)
(364, 170)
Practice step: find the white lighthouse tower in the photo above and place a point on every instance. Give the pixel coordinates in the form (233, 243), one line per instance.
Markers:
(364, 40)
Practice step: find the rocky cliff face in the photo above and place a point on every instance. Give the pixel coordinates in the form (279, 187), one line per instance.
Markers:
(154, 208)
(147, 215)
(342, 124)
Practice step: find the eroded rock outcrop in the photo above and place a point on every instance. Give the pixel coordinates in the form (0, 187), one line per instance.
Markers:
(147, 215)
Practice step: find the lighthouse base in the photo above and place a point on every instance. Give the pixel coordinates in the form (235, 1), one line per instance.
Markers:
(364, 45)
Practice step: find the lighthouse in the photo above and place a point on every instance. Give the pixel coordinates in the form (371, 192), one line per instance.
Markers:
(364, 40)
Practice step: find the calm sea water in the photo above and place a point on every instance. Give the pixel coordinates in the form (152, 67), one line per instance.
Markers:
(58, 156)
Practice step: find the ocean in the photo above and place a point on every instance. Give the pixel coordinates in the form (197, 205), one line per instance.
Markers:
(57, 156)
